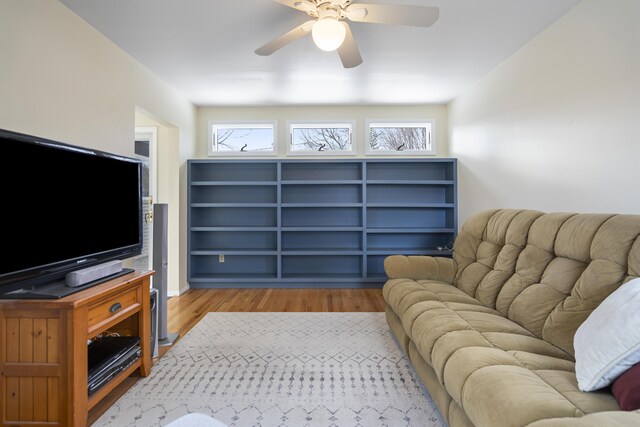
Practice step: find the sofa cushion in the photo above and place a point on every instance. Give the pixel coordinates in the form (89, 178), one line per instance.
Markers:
(402, 294)
(608, 269)
(508, 395)
(487, 249)
(420, 268)
(439, 329)
(534, 258)
(558, 373)
(535, 373)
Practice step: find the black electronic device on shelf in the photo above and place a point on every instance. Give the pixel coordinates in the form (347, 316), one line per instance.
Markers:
(108, 356)
(65, 208)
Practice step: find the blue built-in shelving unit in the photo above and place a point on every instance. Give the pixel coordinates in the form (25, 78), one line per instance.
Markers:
(315, 223)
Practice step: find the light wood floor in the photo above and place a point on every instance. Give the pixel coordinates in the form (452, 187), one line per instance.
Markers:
(187, 310)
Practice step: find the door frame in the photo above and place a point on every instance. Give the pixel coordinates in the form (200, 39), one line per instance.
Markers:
(150, 133)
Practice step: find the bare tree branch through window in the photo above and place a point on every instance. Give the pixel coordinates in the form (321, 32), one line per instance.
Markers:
(330, 138)
(239, 138)
(400, 137)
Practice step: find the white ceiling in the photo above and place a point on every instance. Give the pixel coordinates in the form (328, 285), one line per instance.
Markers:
(205, 49)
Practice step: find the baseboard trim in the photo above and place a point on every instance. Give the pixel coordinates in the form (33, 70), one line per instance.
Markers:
(288, 285)
(178, 292)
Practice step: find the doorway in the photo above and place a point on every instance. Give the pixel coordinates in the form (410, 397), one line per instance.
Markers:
(145, 149)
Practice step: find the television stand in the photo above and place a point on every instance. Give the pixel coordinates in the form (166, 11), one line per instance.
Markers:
(44, 354)
(59, 289)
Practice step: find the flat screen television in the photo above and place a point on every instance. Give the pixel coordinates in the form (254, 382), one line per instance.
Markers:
(63, 208)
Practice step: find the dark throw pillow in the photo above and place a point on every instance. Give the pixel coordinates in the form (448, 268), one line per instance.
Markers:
(626, 389)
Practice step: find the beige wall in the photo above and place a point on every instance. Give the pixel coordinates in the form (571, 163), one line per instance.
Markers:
(356, 112)
(61, 79)
(556, 127)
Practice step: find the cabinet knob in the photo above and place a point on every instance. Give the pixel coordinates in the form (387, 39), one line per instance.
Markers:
(115, 307)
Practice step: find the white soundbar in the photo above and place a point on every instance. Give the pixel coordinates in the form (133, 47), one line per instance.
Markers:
(89, 274)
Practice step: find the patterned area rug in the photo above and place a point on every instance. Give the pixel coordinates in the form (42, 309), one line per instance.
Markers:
(282, 369)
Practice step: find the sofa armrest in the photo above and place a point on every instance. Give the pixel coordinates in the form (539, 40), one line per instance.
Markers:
(420, 268)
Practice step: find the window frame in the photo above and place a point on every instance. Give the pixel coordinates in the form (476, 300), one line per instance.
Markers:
(400, 123)
(239, 124)
(301, 124)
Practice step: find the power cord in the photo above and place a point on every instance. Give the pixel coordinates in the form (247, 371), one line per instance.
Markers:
(448, 247)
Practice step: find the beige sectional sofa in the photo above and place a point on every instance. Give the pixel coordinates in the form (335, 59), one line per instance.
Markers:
(490, 332)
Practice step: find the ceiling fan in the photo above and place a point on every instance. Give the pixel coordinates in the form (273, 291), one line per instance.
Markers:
(331, 32)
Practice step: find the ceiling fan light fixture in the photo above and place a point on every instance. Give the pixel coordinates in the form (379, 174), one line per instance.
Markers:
(328, 34)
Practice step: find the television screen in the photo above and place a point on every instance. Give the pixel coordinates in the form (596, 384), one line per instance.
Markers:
(64, 208)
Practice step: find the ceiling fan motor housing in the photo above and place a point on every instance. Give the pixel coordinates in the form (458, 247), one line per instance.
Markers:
(324, 8)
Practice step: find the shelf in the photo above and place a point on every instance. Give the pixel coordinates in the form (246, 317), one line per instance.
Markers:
(233, 194)
(436, 170)
(333, 193)
(244, 240)
(314, 170)
(409, 230)
(410, 182)
(235, 265)
(375, 266)
(322, 205)
(416, 218)
(234, 228)
(398, 251)
(235, 276)
(321, 228)
(112, 384)
(232, 170)
(235, 252)
(234, 205)
(409, 243)
(324, 182)
(315, 265)
(410, 205)
(233, 183)
(321, 217)
(322, 240)
(338, 251)
(321, 276)
(234, 217)
(411, 194)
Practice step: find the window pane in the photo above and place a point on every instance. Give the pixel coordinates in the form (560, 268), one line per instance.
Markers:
(400, 137)
(319, 138)
(244, 139)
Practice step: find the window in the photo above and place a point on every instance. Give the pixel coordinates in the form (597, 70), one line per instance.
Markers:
(321, 138)
(252, 138)
(402, 138)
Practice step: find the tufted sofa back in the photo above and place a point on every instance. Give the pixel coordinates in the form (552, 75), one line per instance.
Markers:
(546, 272)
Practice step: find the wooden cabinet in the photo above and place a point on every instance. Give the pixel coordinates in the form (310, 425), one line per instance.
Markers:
(43, 350)
(310, 223)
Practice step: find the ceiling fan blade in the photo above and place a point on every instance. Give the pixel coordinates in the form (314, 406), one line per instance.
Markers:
(303, 5)
(279, 42)
(348, 51)
(419, 16)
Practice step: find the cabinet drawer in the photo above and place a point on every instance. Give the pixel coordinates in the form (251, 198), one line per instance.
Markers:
(112, 307)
